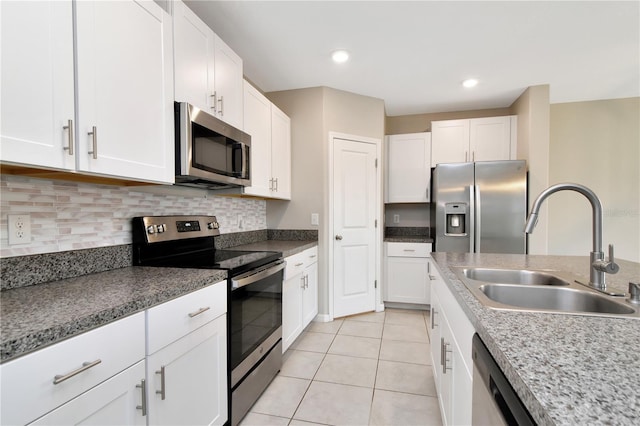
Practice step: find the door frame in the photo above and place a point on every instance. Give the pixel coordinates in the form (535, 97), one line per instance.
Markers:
(378, 305)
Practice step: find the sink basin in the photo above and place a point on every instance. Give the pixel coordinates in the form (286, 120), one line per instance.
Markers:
(541, 291)
(554, 298)
(513, 276)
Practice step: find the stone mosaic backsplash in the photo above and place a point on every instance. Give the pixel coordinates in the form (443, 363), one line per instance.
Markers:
(72, 215)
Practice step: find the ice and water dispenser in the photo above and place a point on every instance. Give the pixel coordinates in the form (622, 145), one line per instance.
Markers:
(456, 215)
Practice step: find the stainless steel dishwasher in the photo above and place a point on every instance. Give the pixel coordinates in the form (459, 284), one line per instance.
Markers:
(494, 401)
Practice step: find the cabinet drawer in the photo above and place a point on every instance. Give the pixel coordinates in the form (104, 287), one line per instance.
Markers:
(28, 389)
(170, 321)
(295, 265)
(311, 255)
(409, 249)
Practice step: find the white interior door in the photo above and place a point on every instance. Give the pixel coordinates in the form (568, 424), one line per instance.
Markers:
(354, 228)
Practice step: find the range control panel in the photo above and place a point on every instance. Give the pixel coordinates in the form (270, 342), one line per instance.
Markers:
(169, 228)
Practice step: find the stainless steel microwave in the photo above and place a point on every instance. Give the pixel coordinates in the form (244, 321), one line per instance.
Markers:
(209, 152)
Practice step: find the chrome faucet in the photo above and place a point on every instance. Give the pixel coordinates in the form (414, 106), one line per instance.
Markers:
(598, 264)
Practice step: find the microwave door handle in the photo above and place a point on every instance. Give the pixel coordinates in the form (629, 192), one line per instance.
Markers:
(245, 161)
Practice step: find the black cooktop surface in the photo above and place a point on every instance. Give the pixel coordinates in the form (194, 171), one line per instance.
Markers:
(234, 261)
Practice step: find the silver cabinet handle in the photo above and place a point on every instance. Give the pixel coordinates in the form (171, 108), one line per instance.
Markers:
(306, 281)
(271, 184)
(465, 156)
(312, 256)
(441, 350)
(161, 392)
(143, 406)
(444, 357)
(427, 193)
(275, 184)
(338, 237)
(433, 318)
(85, 366)
(214, 104)
(94, 138)
(302, 282)
(473, 156)
(221, 102)
(198, 312)
(299, 264)
(69, 146)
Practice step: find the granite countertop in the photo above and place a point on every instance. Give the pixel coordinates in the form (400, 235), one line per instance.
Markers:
(40, 315)
(567, 369)
(408, 239)
(288, 248)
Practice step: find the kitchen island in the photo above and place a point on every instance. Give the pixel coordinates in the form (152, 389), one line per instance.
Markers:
(567, 369)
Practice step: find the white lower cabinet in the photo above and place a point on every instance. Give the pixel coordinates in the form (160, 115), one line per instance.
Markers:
(103, 377)
(92, 371)
(451, 334)
(299, 294)
(408, 273)
(118, 401)
(187, 378)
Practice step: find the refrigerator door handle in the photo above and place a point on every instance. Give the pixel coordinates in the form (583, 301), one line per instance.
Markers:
(478, 229)
(472, 218)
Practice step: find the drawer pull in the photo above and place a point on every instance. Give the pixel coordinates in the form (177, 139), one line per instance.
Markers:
(161, 392)
(410, 250)
(198, 312)
(85, 366)
(299, 264)
(312, 256)
(143, 387)
(433, 318)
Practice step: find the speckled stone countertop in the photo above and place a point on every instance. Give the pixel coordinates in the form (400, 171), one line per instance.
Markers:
(287, 248)
(407, 234)
(37, 316)
(408, 240)
(567, 369)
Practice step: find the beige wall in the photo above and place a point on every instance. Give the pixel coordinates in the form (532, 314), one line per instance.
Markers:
(532, 109)
(596, 144)
(422, 122)
(314, 113)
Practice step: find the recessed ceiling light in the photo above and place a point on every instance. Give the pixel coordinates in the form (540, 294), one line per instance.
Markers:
(470, 82)
(340, 56)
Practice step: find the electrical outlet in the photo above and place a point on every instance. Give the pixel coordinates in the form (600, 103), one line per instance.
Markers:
(19, 228)
(315, 219)
(240, 222)
(396, 218)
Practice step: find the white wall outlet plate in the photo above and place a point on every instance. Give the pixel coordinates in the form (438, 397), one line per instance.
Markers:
(396, 218)
(19, 229)
(315, 219)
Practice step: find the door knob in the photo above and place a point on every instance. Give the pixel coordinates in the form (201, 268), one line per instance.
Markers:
(338, 237)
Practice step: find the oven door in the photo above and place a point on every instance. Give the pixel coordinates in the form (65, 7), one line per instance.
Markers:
(255, 313)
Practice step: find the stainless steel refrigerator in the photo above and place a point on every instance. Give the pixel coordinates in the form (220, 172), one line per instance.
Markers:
(480, 207)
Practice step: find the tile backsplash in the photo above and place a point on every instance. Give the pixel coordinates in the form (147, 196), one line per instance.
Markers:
(71, 215)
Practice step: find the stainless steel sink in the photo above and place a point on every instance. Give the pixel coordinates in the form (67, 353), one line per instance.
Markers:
(513, 276)
(554, 298)
(541, 291)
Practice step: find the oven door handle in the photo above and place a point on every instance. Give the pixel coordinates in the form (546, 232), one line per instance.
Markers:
(252, 277)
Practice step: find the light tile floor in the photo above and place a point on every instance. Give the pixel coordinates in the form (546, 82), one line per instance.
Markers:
(368, 369)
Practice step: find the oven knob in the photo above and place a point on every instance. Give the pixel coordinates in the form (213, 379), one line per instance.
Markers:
(151, 229)
(213, 225)
(162, 228)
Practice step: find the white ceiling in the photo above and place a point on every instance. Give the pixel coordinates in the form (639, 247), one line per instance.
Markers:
(415, 54)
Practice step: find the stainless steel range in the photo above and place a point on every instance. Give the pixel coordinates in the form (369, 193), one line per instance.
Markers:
(254, 302)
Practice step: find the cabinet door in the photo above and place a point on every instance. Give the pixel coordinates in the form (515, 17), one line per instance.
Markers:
(291, 309)
(117, 401)
(193, 59)
(37, 83)
(257, 123)
(228, 84)
(449, 142)
(408, 168)
(280, 153)
(187, 380)
(310, 294)
(407, 280)
(435, 325)
(490, 138)
(125, 90)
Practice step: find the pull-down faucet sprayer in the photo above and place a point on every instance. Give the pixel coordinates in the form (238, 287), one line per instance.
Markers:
(598, 264)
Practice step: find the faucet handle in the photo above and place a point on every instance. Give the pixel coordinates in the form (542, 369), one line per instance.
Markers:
(634, 292)
(610, 266)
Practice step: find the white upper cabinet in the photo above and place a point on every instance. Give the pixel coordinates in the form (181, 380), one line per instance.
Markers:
(125, 84)
(123, 125)
(208, 74)
(36, 89)
(408, 170)
(270, 131)
(476, 139)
